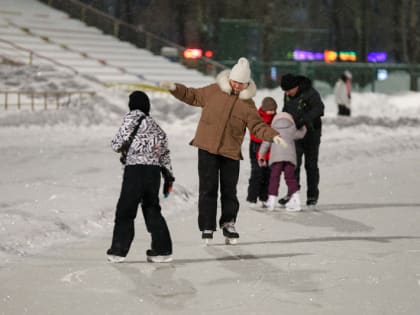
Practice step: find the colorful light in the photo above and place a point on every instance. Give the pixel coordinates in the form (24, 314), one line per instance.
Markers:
(330, 56)
(208, 53)
(347, 56)
(307, 55)
(193, 53)
(378, 56)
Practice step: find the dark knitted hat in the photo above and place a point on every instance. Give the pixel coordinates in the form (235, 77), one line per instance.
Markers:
(268, 103)
(139, 100)
(289, 81)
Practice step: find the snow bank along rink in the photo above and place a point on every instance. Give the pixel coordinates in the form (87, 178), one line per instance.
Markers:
(359, 253)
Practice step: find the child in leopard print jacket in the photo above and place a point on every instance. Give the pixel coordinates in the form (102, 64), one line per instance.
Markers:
(147, 158)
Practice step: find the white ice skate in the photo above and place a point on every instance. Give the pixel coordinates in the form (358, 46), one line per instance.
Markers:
(115, 259)
(230, 234)
(207, 236)
(311, 203)
(270, 203)
(154, 257)
(293, 205)
(231, 241)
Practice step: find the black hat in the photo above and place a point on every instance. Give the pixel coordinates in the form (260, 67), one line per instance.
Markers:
(289, 81)
(139, 100)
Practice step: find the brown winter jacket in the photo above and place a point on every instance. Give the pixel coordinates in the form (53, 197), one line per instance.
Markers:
(224, 116)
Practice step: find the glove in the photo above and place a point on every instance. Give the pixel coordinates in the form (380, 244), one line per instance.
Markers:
(168, 181)
(300, 123)
(262, 163)
(167, 188)
(167, 85)
(279, 140)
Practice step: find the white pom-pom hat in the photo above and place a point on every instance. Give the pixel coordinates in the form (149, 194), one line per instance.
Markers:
(241, 72)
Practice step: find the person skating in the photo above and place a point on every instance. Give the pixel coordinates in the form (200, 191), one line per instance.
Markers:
(227, 110)
(304, 103)
(260, 175)
(147, 159)
(282, 160)
(342, 94)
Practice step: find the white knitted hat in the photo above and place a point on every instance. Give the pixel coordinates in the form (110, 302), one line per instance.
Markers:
(348, 75)
(241, 71)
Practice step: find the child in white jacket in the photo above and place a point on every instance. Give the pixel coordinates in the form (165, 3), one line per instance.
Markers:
(342, 94)
(283, 159)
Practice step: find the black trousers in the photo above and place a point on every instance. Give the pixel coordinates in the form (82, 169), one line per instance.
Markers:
(140, 184)
(309, 147)
(259, 178)
(211, 169)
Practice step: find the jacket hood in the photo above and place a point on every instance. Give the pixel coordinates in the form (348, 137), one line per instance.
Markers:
(222, 80)
(283, 115)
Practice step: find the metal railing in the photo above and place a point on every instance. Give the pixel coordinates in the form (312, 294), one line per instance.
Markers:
(44, 99)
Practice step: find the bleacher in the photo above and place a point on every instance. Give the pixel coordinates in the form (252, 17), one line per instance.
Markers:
(54, 38)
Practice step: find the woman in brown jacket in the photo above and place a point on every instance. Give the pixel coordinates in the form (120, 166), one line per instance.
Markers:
(227, 110)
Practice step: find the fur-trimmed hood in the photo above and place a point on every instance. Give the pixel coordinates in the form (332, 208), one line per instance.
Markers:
(222, 80)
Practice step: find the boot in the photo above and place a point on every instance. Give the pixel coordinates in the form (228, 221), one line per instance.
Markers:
(270, 203)
(294, 203)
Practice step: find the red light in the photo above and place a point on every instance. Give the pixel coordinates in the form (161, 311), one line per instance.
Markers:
(208, 53)
(193, 53)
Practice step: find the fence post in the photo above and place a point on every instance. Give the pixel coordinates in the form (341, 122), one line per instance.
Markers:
(32, 101)
(18, 100)
(149, 42)
(45, 100)
(5, 100)
(83, 14)
(57, 99)
(373, 77)
(116, 29)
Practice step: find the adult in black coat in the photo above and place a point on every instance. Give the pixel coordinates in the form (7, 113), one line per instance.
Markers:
(304, 103)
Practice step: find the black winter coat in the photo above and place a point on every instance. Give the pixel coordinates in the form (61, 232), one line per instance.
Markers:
(306, 106)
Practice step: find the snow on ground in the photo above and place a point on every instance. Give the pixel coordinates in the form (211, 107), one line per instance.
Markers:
(60, 179)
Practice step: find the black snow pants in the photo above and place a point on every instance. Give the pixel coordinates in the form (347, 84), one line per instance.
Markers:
(259, 178)
(211, 169)
(140, 184)
(309, 147)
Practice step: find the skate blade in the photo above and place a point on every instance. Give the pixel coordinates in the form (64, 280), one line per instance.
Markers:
(231, 241)
(289, 210)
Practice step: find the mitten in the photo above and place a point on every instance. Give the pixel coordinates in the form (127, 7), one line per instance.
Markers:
(262, 163)
(167, 188)
(167, 85)
(168, 181)
(279, 140)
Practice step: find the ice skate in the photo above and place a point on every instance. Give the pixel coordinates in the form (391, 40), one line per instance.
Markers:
(311, 203)
(154, 257)
(207, 236)
(293, 204)
(230, 234)
(283, 201)
(270, 203)
(115, 258)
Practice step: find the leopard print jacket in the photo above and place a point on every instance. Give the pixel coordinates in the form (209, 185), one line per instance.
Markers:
(150, 144)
